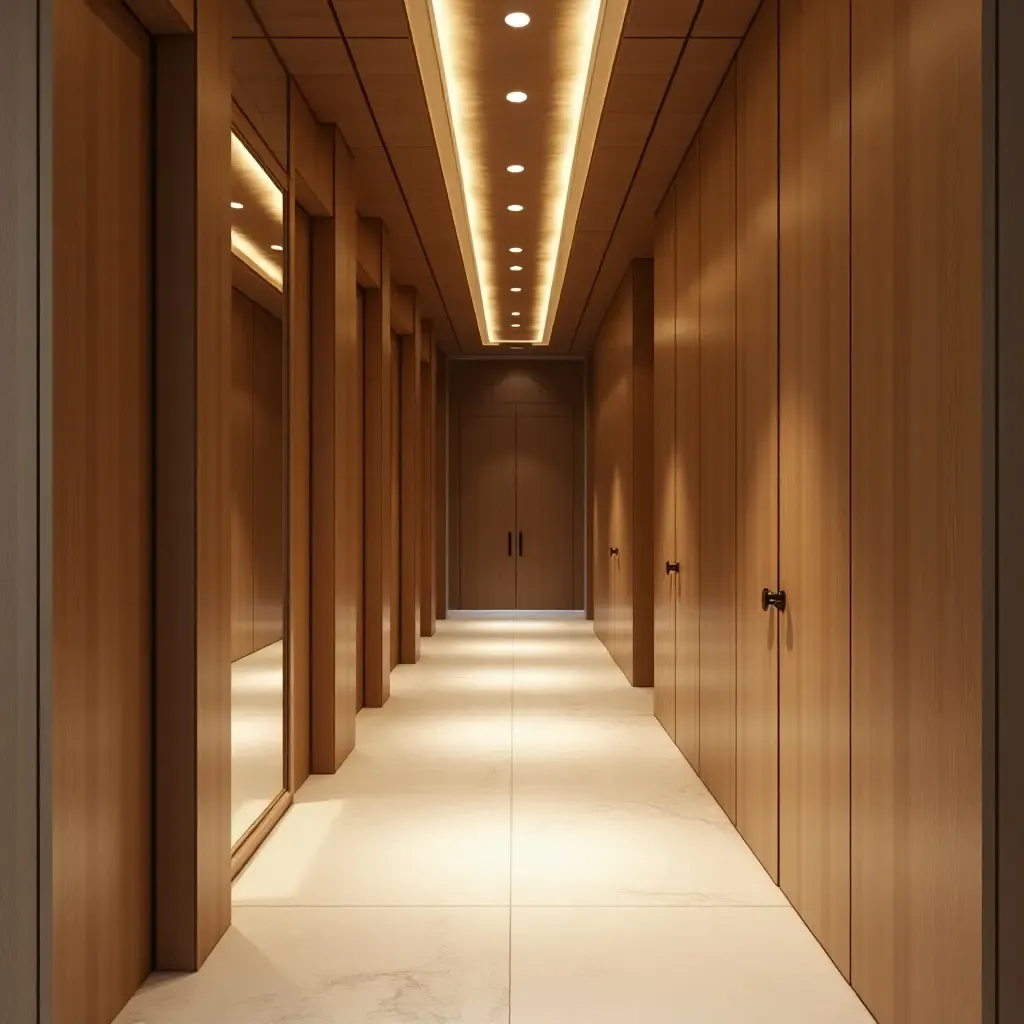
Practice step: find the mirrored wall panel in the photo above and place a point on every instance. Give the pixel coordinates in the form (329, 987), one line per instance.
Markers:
(258, 491)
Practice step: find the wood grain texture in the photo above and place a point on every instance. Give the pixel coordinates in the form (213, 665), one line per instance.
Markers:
(916, 519)
(193, 594)
(377, 482)
(299, 486)
(814, 499)
(102, 544)
(544, 485)
(337, 445)
(665, 465)
(395, 503)
(718, 447)
(688, 435)
(242, 452)
(428, 485)
(441, 485)
(411, 496)
(757, 438)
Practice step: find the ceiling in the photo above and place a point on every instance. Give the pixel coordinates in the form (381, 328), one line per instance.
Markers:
(616, 90)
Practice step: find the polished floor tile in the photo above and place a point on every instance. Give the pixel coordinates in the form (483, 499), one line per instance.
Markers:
(514, 839)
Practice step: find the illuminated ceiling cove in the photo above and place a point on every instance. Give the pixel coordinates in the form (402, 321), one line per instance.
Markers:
(515, 92)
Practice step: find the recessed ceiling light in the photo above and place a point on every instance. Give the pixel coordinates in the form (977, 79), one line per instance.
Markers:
(277, 248)
(514, 267)
(517, 19)
(517, 289)
(516, 248)
(237, 206)
(515, 208)
(517, 314)
(515, 325)
(516, 96)
(515, 168)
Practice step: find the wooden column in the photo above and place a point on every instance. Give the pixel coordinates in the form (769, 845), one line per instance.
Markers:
(411, 503)
(337, 491)
(441, 484)
(377, 448)
(192, 622)
(428, 466)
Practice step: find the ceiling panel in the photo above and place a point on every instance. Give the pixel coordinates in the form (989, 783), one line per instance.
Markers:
(372, 18)
(390, 75)
(660, 17)
(729, 18)
(296, 17)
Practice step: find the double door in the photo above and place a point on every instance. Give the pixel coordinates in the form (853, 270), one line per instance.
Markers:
(516, 473)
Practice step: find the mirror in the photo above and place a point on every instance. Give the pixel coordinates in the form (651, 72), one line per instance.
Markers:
(258, 432)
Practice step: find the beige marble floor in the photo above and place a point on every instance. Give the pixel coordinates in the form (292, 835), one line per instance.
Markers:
(514, 840)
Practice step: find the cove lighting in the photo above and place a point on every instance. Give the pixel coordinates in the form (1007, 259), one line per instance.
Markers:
(517, 19)
(516, 96)
(515, 168)
(237, 206)
(515, 208)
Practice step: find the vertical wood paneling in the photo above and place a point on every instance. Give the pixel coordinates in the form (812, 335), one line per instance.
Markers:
(814, 502)
(242, 449)
(377, 480)
(916, 570)
(395, 503)
(718, 447)
(193, 593)
(300, 552)
(428, 468)
(757, 442)
(102, 543)
(412, 503)
(688, 479)
(665, 465)
(441, 484)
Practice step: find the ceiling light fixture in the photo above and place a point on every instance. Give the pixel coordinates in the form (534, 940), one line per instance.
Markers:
(515, 267)
(237, 206)
(277, 248)
(516, 96)
(517, 19)
(517, 313)
(516, 248)
(517, 289)
(515, 168)
(515, 208)
(515, 325)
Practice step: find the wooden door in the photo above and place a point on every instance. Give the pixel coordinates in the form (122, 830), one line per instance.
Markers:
(718, 448)
(394, 562)
(757, 441)
(487, 513)
(814, 479)
(665, 467)
(545, 540)
(687, 501)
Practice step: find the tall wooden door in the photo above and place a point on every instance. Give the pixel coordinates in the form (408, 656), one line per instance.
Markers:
(396, 500)
(814, 479)
(487, 511)
(757, 441)
(665, 466)
(545, 540)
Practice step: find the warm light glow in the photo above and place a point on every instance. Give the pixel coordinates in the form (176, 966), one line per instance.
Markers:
(265, 214)
(248, 252)
(515, 325)
(515, 208)
(516, 289)
(277, 248)
(515, 168)
(517, 313)
(517, 19)
(516, 248)
(516, 96)
(237, 206)
(515, 268)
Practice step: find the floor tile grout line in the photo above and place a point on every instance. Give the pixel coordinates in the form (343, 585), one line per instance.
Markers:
(516, 906)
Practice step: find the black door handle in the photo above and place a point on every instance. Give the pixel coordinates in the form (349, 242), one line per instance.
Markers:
(612, 552)
(773, 599)
(671, 567)
(520, 543)
(509, 543)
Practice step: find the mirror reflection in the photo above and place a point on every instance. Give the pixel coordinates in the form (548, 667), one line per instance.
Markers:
(257, 491)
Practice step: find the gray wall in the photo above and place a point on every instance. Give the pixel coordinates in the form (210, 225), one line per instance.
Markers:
(24, 511)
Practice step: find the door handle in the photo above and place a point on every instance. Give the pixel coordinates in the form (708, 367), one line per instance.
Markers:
(520, 543)
(773, 599)
(509, 543)
(671, 567)
(612, 552)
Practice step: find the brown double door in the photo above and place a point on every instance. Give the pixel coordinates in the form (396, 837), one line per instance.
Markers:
(516, 466)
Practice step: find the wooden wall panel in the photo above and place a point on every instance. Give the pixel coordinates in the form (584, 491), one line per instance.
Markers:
(377, 479)
(102, 543)
(242, 449)
(814, 502)
(269, 496)
(441, 484)
(193, 528)
(665, 467)
(718, 448)
(411, 497)
(299, 485)
(395, 502)
(428, 471)
(916, 570)
(757, 439)
(337, 495)
(688, 479)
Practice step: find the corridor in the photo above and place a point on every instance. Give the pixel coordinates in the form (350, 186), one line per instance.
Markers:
(516, 839)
